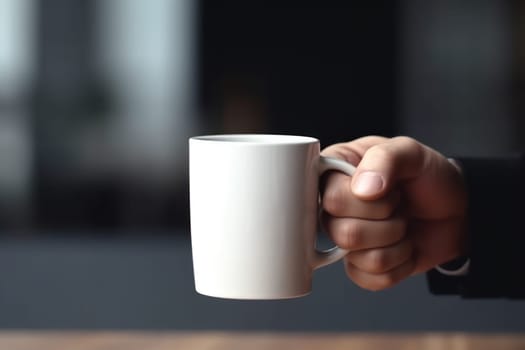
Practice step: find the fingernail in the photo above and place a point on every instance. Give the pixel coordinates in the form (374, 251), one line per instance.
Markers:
(368, 183)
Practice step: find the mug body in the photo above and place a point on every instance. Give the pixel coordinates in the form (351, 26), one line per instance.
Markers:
(253, 209)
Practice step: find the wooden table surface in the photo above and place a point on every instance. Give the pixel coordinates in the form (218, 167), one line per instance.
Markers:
(22, 340)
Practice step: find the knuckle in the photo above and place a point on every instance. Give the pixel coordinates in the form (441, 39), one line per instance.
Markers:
(377, 261)
(370, 283)
(410, 143)
(381, 152)
(364, 283)
(385, 281)
(352, 235)
(334, 200)
(370, 286)
(407, 141)
(351, 276)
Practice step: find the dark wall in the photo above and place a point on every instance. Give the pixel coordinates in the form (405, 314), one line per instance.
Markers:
(323, 70)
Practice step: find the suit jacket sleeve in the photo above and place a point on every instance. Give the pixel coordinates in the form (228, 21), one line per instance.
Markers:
(496, 232)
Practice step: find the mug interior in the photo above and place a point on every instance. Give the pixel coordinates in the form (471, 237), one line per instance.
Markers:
(258, 138)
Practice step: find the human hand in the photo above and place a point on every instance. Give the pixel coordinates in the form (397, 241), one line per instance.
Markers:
(402, 213)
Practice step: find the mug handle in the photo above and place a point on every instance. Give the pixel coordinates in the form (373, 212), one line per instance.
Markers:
(327, 257)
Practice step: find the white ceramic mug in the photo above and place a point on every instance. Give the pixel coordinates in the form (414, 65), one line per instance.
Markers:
(254, 209)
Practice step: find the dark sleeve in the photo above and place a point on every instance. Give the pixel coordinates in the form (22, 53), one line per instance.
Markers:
(497, 260)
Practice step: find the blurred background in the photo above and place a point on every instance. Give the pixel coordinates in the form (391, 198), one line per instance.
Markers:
(98, 99)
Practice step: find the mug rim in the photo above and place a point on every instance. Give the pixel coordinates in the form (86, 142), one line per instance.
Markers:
(256, 139)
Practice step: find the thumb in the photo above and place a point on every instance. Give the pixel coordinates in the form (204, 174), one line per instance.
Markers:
(382, 165)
